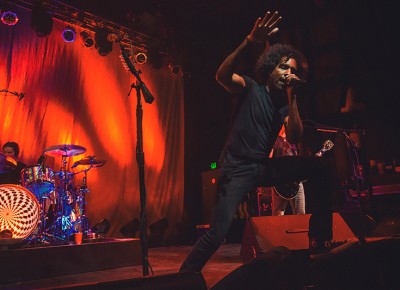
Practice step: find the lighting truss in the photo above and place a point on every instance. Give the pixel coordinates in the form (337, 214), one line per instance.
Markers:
(87, 21)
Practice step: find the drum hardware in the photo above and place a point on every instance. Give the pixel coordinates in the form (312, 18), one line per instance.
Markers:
(82, 223)
(41, 234)
(63, 225)
(89, 160)
(38, 179)
(66, 150)
(60, 206)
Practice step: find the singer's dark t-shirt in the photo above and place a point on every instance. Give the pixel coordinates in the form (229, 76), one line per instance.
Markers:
(255, 127)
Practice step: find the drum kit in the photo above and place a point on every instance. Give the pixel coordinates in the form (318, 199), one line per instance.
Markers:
(47, 207)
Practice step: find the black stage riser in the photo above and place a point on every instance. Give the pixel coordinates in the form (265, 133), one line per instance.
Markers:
(177, 281)
(33, 263)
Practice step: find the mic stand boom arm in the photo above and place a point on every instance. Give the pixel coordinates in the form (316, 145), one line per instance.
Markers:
(140, 87)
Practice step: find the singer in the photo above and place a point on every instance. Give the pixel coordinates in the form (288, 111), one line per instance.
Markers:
(266, 103)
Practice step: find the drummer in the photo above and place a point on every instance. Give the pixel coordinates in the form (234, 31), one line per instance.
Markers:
(10, 167)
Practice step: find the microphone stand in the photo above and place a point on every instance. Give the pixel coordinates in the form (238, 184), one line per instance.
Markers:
(140, 87)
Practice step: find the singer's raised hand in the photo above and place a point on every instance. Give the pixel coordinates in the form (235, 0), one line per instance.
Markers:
(264, 28)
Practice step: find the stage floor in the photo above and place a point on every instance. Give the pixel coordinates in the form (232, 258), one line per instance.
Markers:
(162, 261)
(371, 265)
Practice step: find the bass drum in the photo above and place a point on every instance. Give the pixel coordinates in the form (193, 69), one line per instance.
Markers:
(19, 211)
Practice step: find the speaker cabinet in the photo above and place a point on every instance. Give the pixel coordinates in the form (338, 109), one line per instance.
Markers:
(291, 231)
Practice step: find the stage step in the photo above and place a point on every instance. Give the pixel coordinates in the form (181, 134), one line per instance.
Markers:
(33, 263)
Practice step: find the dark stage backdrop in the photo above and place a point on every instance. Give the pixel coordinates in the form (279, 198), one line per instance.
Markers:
(75, 96)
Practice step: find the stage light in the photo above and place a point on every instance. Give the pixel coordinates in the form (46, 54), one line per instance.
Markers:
(140, 57)
(9, 18)
(102, 227)
(175, 69)
(69, 34)
(130, 229)
(102, 44)
(41, 21)
(87, 39)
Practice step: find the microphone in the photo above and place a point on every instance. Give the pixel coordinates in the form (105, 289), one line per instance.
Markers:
(148, 97)
(295, 82)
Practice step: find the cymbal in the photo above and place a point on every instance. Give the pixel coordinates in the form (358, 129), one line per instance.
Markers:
(90, 160)
(65, 150)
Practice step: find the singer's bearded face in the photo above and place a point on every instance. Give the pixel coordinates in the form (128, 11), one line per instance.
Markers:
(276, 80)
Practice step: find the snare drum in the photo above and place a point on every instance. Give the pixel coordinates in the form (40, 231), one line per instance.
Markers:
(19, 211)
(39, 180)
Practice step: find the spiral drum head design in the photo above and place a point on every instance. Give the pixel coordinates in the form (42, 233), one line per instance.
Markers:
(19, 210)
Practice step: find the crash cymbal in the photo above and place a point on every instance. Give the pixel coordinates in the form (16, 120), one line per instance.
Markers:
(65, 150)
(90, 160)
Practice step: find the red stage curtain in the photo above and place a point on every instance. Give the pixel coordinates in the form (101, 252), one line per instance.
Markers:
(75, 96)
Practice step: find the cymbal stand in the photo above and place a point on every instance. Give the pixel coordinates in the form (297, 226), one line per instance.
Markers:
(62, 226)
(40, 236)
(82, 219)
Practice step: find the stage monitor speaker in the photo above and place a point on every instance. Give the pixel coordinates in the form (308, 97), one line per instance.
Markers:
(271, 270)
(291, 231)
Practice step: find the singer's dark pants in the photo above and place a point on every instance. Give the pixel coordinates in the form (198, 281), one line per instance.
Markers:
(236, 181)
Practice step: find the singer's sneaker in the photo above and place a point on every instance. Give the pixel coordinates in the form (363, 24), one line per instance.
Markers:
(329, 248)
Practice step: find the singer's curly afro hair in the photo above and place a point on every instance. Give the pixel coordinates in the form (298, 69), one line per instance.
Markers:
(271, 57)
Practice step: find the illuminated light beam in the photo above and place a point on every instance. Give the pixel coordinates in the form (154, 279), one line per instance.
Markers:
(106, 105)
(60, 127)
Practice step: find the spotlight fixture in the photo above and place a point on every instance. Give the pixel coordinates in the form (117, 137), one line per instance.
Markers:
(131, 228)
(102, 44)
(140, 57)
(175, 69)
(69, 34)
(9, 18)
(102, 227)
(41, 21)
(87, 39)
